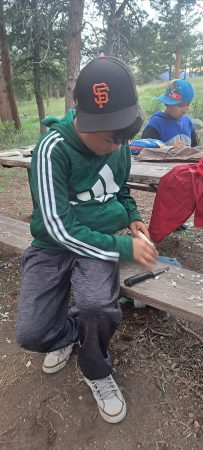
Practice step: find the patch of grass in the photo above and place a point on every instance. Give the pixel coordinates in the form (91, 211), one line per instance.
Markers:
(29, 132)
(8, 177)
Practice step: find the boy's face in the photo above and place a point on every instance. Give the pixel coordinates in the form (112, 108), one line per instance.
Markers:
(100, 142)
(177, 111)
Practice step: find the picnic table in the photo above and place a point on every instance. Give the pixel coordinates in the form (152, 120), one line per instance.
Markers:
(176, 291)
(144, 175)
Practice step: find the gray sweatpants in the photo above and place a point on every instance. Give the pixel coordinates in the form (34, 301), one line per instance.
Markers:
(43, 321)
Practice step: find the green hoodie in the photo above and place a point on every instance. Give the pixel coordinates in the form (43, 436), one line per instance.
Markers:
(81, 199)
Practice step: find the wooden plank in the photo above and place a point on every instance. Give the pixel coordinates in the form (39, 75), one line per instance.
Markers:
(149, 172)
(17, 161)
(178, 291)
(143, 187)
(15, 233)
(143, 173)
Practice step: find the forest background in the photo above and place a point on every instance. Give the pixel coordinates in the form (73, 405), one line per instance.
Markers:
(43, 45)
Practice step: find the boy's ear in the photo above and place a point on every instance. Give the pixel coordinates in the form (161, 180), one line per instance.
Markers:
(75, 102)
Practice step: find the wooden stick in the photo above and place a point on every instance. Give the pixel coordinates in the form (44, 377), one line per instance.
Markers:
(143, 237)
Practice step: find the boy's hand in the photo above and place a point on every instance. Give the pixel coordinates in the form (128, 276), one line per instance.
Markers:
(144, 253)
(138, 225)
(178, 144)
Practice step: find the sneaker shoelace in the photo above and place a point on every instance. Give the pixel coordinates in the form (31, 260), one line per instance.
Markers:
(106, 388)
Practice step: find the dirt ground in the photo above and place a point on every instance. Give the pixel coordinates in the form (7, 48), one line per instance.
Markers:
(157, 364)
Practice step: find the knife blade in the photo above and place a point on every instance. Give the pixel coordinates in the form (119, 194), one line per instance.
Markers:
(144, 276)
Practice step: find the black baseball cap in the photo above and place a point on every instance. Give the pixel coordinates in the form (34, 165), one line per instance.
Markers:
(106, 96)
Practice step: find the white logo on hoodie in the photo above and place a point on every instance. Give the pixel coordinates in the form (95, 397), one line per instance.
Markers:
(101, 191)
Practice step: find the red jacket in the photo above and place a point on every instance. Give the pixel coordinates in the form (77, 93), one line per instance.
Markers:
(179, 195)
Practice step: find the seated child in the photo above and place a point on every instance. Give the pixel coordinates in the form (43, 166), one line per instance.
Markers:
(173, 126)
(79, 175)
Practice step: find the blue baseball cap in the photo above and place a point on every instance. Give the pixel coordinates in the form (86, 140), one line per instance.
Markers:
(178, 91)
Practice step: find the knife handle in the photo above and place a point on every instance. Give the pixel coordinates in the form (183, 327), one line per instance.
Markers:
(137, 278)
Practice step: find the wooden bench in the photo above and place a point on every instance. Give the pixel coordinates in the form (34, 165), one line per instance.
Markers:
(178, 291)
(14, 233)
(175, 291)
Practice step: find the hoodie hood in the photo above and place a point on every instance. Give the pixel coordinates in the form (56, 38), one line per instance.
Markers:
(65, 121)
(163, 115)
(65, 127)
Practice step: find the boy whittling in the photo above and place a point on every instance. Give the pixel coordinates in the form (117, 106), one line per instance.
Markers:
(78, 179)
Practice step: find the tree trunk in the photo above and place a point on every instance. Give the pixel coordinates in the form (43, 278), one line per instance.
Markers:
(49, 90)
(58, 91)
(112, 21)
(110, 35)
(6, 69)
(178, 40)
(73, 49)
(178, 62)
(5, 110)
(37, 87)
(36, 66)
(47, 94)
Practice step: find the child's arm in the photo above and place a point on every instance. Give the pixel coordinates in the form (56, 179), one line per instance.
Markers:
(150, 132)
(194, 142)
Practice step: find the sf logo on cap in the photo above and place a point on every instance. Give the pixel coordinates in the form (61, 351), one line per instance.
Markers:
(100, 91)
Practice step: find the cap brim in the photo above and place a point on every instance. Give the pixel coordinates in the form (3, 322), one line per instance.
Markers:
(167, 101)
(117, 120)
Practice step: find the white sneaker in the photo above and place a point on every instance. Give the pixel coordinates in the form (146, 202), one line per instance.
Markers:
(110, 401)
(55, 361)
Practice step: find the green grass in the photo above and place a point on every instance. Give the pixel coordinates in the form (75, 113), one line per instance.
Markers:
(7, 177)
(29, 132)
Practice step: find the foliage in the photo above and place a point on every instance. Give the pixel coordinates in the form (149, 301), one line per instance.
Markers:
(147, 46)
(176, 34)
(48, 35)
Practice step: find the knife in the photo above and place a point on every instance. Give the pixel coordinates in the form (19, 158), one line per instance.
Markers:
(144, 276)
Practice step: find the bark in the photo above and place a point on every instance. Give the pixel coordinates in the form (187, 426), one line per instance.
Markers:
(73, 49)
(47, 94)
(5, 110)
(57, 91)
(37, 86)
(112, 23)
(49, 90)
(6, 70)
(110, 35)
(178, 40)
(36, 67)
(178, 62)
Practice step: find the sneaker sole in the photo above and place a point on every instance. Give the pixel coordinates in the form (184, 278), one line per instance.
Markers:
(56, 368)
(59, 366)
(114, 419)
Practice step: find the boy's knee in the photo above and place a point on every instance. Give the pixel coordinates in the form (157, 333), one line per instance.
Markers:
(28, 338)
(106, 312)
